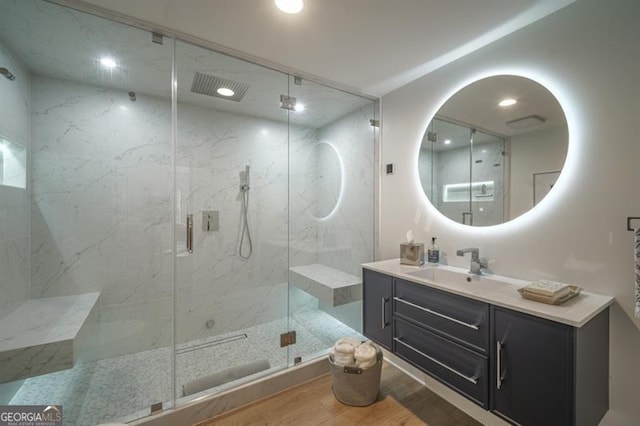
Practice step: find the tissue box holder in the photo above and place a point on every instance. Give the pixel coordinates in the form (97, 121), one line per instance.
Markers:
(412, 254)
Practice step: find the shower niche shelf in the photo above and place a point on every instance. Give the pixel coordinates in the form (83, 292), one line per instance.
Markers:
(329, 285)
(44, 335)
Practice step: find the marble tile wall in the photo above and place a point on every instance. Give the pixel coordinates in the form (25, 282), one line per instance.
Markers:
(214, 283)
(15, 125)
(344, 238)
(101, 208)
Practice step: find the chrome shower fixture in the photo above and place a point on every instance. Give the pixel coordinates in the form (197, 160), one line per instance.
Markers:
(244, 187)
(132, 96)
(5, 72)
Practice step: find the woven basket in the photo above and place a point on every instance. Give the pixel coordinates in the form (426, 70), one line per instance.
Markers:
(356, 386)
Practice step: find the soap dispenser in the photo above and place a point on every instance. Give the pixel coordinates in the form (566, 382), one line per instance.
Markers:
(433, 253)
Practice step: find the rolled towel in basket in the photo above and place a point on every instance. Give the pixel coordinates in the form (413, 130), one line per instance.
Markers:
(343, 354)
(366, 355)
(343, 350)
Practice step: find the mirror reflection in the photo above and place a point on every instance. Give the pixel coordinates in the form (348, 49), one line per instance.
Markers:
(493, 150)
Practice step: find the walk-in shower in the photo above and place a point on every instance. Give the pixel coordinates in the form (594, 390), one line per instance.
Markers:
(93, 241)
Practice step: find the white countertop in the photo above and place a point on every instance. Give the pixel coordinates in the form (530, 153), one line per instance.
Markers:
(500, 291)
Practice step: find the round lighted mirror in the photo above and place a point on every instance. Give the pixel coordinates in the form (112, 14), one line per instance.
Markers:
(323, 180)
(493, 150)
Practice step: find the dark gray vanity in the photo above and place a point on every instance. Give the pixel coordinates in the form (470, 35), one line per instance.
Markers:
(526, 362)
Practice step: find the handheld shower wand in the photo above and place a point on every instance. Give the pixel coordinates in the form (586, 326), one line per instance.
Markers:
(244, 189)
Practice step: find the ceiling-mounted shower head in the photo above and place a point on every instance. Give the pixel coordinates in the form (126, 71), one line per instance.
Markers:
(210, 85)
(5, 72)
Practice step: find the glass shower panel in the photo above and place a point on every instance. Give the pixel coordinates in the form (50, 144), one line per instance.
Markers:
(488, 179)
(231, 221)
(91, 105)
(452, 169)
(331, 213)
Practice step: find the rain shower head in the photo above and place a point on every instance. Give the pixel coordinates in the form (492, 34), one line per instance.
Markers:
(210, 85)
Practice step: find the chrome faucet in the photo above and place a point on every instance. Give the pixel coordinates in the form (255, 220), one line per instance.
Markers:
(476, 263)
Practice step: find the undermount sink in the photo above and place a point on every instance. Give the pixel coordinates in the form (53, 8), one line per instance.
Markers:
(459, 278)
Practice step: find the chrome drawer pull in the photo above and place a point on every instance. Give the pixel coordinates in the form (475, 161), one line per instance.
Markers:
(384, 313)
(499, 375)
(473, 380)
(473, 326)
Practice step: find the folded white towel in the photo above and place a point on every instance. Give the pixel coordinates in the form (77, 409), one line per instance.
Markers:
(366, 355)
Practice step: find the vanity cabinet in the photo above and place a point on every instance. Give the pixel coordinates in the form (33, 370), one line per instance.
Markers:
(377, 290)
(548, 373)
(525, 369)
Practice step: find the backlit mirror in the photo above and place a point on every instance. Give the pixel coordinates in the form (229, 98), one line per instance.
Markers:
(493, 150)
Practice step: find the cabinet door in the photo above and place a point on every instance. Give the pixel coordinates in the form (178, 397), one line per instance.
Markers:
(376, 309)
(532, 369)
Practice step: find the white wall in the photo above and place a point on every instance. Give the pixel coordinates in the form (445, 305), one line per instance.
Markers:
(586, 54)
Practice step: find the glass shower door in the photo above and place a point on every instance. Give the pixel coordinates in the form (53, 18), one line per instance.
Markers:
(488, 179)
(92, 304)
(453, 169)
(231, 221)
(331, 166)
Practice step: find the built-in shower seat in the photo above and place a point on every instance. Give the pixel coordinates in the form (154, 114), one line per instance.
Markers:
(329, 285)
(44, 335)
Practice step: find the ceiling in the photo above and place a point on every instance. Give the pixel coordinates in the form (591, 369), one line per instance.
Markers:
(368, 46)
(372, 46)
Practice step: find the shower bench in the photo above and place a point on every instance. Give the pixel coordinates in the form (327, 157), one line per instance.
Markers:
(43, 335)
(329, 285)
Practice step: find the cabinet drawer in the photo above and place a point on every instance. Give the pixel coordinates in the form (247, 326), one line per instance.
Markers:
(464, 320)
(456, 366)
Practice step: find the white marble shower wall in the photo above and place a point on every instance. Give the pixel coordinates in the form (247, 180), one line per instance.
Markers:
(343, 239)
(214, 283)
(15, 126)
(102, 207)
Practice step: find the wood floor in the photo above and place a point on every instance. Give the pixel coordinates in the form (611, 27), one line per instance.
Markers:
(402, 401)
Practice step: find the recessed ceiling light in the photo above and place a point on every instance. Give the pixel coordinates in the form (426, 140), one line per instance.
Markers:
(299, 107)
(447, 142)
(108, 62)
(507, 102)
(223, 91)
(290, 6)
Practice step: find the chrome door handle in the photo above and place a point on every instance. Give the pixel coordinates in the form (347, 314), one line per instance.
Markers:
(190, 233)
(473, 380)
(438, 314)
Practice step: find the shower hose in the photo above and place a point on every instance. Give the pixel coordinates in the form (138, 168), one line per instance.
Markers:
(245, 227)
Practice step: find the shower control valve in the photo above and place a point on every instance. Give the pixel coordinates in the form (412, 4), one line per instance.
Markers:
(210, 220)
